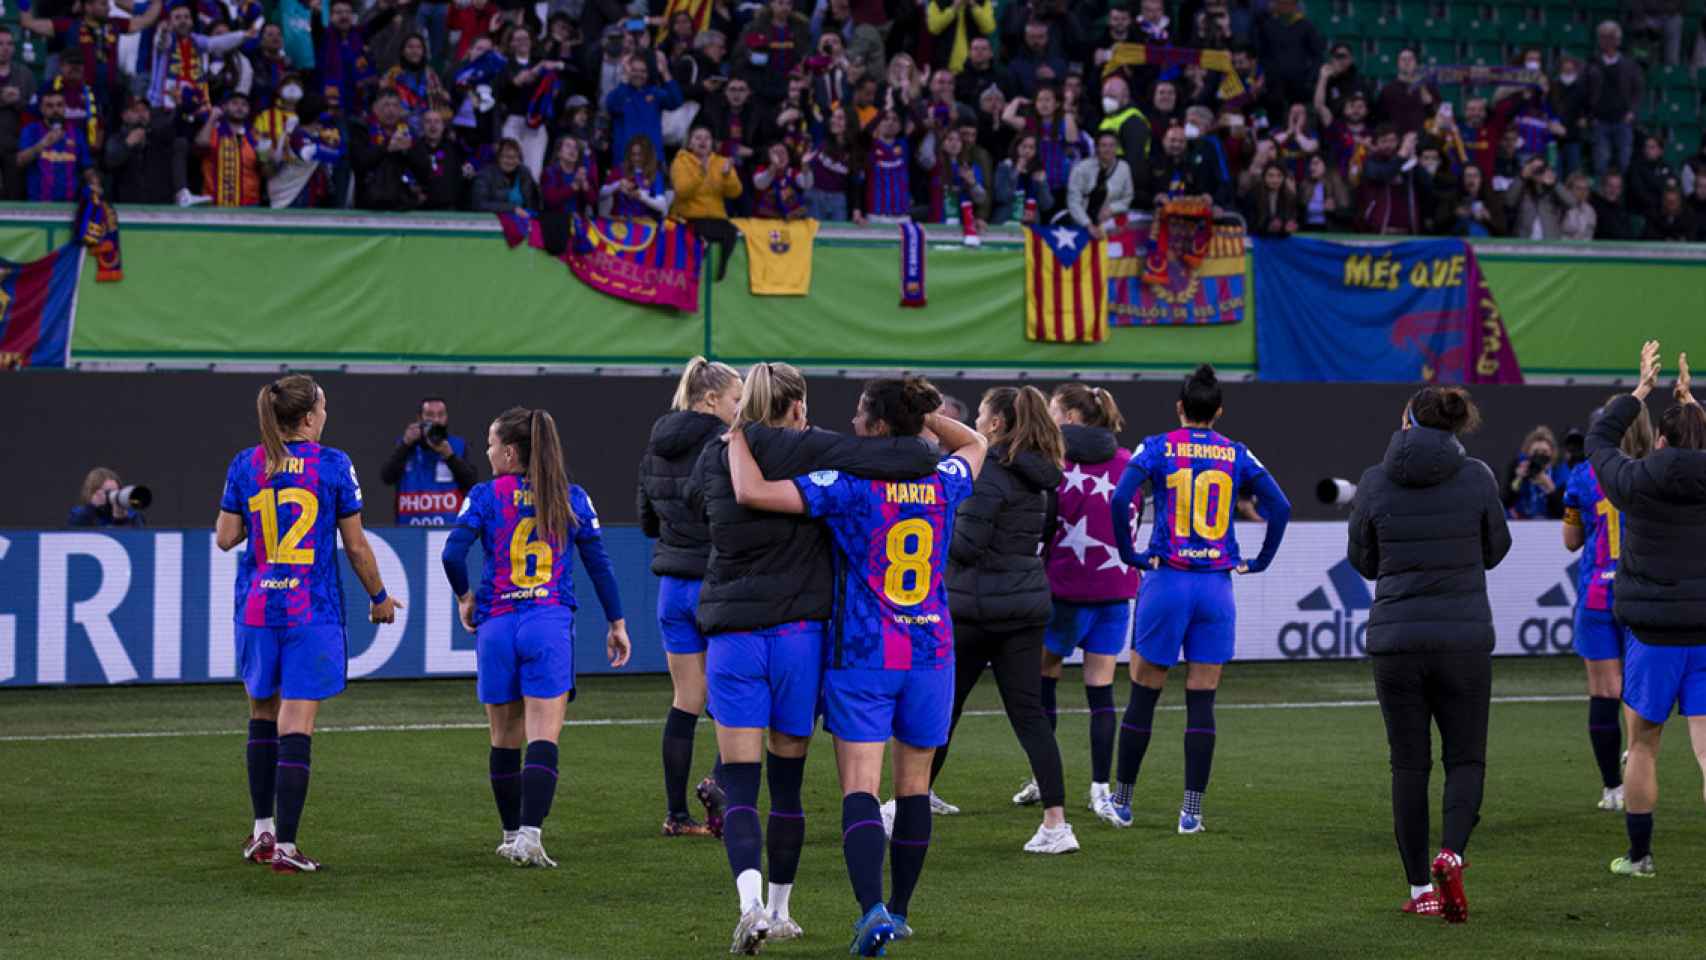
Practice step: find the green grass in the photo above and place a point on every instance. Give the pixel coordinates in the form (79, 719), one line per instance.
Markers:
(129, 846)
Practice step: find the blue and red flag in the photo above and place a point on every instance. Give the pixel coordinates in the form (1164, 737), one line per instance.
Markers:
(638, 260)
(97, 229)
(38, 305)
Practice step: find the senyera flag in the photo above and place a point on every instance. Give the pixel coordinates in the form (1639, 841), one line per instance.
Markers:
(1066, 285)
(38, 304)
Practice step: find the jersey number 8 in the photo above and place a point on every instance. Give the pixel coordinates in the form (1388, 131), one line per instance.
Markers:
(903, 561)
(265, 506)
(521, 547)
(1190, 503)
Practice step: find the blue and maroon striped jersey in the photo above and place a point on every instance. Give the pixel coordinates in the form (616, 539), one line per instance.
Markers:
(522, 568)
(288, 575)
(1195, 476)
(888, 184)
(1585, 505)
(891, 543)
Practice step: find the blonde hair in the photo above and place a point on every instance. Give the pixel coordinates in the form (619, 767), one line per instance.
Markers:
(770, 391)
(700, 379)
(1638, 440)
(1025, 423)
(280, 406)
(95, 480)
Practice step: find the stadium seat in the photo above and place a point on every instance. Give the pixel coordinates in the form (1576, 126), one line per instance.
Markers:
(1671, 78)
(1434, 29)
(1522, 33)
(1412, 12)
(1439, 52)
(1344, 28)
(1486, 53)
(1572, 35)
(1685, 137)
(1385, 28)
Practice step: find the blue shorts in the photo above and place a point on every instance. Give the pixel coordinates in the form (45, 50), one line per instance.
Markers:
(767, 678)
(1103, 628)
(1598, 635)
(527, 653)
(302, 663)
(1193, 612)
(1655, 679)
(868, 706)
(678, 615)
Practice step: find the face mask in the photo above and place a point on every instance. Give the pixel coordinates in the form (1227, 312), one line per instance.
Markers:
(290, 92)
(1110, 105)
(1192, 131)
(1533, 65)
(1430, 166)
(1566, 78)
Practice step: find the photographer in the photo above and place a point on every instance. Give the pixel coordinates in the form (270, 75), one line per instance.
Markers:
(105, 504)
(428, 469)
(1535, 480)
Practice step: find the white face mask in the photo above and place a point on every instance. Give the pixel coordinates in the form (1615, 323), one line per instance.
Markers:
(290, 92)
(1192, 131)
(1533, 65)
(1566, 78)
(1430, 166)
(1110, 105)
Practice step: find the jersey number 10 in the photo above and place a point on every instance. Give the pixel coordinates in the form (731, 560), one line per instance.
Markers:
(1191, 503)
(265, 506)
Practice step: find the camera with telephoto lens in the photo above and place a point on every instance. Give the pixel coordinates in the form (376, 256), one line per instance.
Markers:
(433, 434)
(1537, 463)
(134, 497)
(1575, 446)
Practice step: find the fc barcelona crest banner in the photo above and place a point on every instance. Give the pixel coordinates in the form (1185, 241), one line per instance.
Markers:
(641, 261)
(638, 260)
(1177, 270)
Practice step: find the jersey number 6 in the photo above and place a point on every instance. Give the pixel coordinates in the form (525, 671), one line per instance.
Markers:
(1190, 503)
(521, 547)
(903, 560)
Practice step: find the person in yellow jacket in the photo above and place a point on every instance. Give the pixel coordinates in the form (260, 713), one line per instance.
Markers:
(962, 17)
(702, 181)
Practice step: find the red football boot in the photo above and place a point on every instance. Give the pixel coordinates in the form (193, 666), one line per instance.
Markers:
(1426, 905)
(1448, 881)
(258, 849)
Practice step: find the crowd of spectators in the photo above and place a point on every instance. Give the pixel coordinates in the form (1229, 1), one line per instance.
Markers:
(967, 111)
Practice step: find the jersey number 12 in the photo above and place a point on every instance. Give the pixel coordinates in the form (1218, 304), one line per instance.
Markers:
(265, 506)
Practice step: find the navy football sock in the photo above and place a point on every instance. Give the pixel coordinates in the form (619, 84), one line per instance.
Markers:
(1607, 739)
(787, 833)
(742, 836)
(862, 845)
(1103, 721)
(538, 783)
(1134, 738)
(293, 761)
(505, 765)
(1199, 747)
(1640, 826)
(678, 729)
(907, 848)
(263, 766)
(1049, 706)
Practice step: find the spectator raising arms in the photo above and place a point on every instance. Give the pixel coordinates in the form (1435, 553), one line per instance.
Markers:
(780, 185)
(835, 171)
(637, 188)
(703, 180)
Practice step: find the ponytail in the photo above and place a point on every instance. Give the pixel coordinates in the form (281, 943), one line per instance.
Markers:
(1094, 405)
(1638, 439)
(1025, 424)
(534, 435)
(1450, 409)
(281, 406)
(770, 391)
(700, 379)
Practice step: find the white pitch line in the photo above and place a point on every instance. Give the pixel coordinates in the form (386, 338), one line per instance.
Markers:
(637, 722)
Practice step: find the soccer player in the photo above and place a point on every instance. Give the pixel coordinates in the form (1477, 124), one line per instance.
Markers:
(1196, 476)
(1593, 526)
(890, 660)
(523, 616)
(768, 594)
(998, 591)
(705, 402)
(1661, 586)
(1092, 587)
(291, 499)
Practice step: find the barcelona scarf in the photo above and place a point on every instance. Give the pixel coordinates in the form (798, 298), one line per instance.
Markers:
(1145, 54)
(97, 229)
(185, 69)
(912, 241)
(542, 106)
(1066, 285)
(415, 90)
(235, 183)
(38, 307)
(91, 109)
(484, 69)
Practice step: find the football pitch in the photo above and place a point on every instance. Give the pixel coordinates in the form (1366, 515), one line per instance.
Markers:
(122, 812)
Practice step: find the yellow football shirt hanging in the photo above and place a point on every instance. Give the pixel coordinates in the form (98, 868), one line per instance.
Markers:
(778, 256)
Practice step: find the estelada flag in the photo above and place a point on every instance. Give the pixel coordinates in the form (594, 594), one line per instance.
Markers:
(38, 303)
(1066, 285)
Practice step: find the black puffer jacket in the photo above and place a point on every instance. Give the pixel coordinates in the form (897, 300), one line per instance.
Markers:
(1661, 572)
(666, 470)
(995, 565)
(1089, 444)
(1427, 525)
(768, 569)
